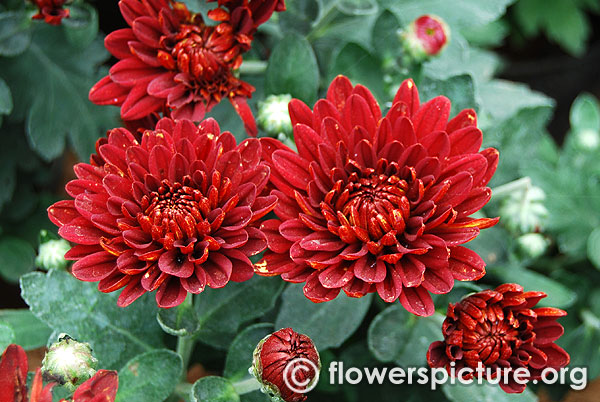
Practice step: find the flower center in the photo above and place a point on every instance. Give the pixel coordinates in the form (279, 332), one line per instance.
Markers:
(177, 208)
(371, 207)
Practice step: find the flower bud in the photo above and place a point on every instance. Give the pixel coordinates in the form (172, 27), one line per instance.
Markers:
(273, 115)
(587, 139)
(287, 364)
(499, 330)
(69, 363)
(525, 212)
(532, 245)
(51, 253)
(426, 36)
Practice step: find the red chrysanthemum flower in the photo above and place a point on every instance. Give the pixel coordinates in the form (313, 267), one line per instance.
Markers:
(171, 61)
(258, 11)
(13, 382)
(372, 203)
(287, 364)
(501, 329)
(172, 210)
(51, 11)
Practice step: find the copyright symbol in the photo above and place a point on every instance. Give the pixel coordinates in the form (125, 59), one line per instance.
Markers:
(292, 375)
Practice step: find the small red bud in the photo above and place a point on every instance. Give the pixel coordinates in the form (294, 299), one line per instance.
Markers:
(287, 364)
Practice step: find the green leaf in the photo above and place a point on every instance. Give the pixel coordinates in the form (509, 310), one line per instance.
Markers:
(559, 296)
(563, 21)
(299, 16)
(77, 308)
(222, 311)
(6, 103)
(357, 7)
(519, 140)
(459, 89)
(81, 27)
(16, 258)
(15, 34)
(503, 99)
(30, 332)
(583, 345)
(214, 389)
(458, 14)
(7, 335)
(489, 35)
(355, 62)
(585, 113)
(327, 324)
(50, 87)
(491, 244)
(593, 247)
(396, 335)
(178, 321)
(484, 393)
(292, 69)
(389, 333)
(384, 39)
(239, 355)
(149, 377)
(460, 58)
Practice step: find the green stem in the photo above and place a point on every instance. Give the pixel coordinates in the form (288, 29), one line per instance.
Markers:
(245, 386)
(253, 67)
(183, 390)
(185, 344)
(320, 26)
(522, 184)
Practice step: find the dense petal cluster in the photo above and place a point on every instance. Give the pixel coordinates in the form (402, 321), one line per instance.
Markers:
(172, 62)
(13, 382)
(372, 203)
(501, 329)
(172, 209)
(287, 364)
(51, 11)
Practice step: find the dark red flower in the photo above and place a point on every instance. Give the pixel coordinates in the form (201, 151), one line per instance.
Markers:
(501, 329)
(287, 364)
(13, 382)
(432, 32)
(13, 374)
(171, 60)
(102, 387)
(51, 11)
(171, 210)
(372, 203)
(259, 10)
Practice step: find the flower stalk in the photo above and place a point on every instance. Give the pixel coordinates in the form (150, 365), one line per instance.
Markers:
(522, 184)
(246, 386)
(185, 344)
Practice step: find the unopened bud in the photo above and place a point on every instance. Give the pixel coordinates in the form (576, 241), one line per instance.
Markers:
(273, 115)
(525, 212)
(426, 36)
(287, 364)
(532, 245)
(51, 253)
(588, 139)
(69, 363)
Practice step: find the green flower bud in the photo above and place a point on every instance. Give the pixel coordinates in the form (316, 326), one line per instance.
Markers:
(273, 115)
(51, 253)
(588, 139)
(525, 212)
(532, 245)
(69, 363)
